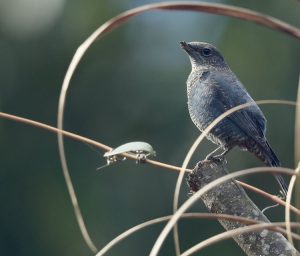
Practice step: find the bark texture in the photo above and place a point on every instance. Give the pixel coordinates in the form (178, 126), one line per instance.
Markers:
(230, 198)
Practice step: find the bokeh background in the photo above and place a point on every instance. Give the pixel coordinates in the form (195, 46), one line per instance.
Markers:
(130, 86)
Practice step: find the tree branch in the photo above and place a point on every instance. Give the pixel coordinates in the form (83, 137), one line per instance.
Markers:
(230, 198)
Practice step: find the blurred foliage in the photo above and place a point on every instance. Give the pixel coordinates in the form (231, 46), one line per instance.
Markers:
(130, 86)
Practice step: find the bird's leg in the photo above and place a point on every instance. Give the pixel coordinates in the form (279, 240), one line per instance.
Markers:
(223, 153)
(219, 157)
(211, 154)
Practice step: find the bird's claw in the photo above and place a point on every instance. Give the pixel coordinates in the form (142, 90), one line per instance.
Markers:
(282, 195)
(217, 158)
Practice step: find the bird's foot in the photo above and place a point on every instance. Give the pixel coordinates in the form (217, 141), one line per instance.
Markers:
(217, 158)
(282, 195)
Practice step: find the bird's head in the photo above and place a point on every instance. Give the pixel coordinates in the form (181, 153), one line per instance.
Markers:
(203, 55)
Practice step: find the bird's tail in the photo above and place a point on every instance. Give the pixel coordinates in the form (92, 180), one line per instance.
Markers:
(270, 159)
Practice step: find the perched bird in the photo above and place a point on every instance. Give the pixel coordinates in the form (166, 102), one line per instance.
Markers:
(212, 89)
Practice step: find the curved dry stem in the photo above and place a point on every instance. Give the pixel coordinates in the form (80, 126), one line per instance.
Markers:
(146, 224)
(234, 232)
(84, 140)
(186, 205)
(287, 206)
(266, 195)
(227, 10)
(200, 139)
(297, 127)
(297, 148)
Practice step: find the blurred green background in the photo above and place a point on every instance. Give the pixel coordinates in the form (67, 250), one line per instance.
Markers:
(130, 86)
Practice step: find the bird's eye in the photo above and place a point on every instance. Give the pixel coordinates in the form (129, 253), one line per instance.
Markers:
(206, 52)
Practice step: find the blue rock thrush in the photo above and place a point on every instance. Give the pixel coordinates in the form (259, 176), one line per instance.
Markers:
(212, 89)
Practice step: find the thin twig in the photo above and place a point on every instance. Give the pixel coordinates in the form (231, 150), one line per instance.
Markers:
(266, 195)
(297, 129)
(288, 202)
(99, 145)
(55, 130)
(297, 149)
(83, 139)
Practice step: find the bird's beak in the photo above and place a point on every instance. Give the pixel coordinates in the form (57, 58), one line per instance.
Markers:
(187, 47)
(183, 45)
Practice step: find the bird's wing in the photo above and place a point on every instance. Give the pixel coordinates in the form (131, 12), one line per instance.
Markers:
(231, 93)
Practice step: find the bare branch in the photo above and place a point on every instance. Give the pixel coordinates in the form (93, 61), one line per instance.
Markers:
(230, 198)
(186, 205)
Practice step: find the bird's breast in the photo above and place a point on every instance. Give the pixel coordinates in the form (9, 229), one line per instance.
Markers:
(200, 104)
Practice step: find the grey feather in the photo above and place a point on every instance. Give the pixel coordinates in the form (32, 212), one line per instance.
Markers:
(212, 89)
